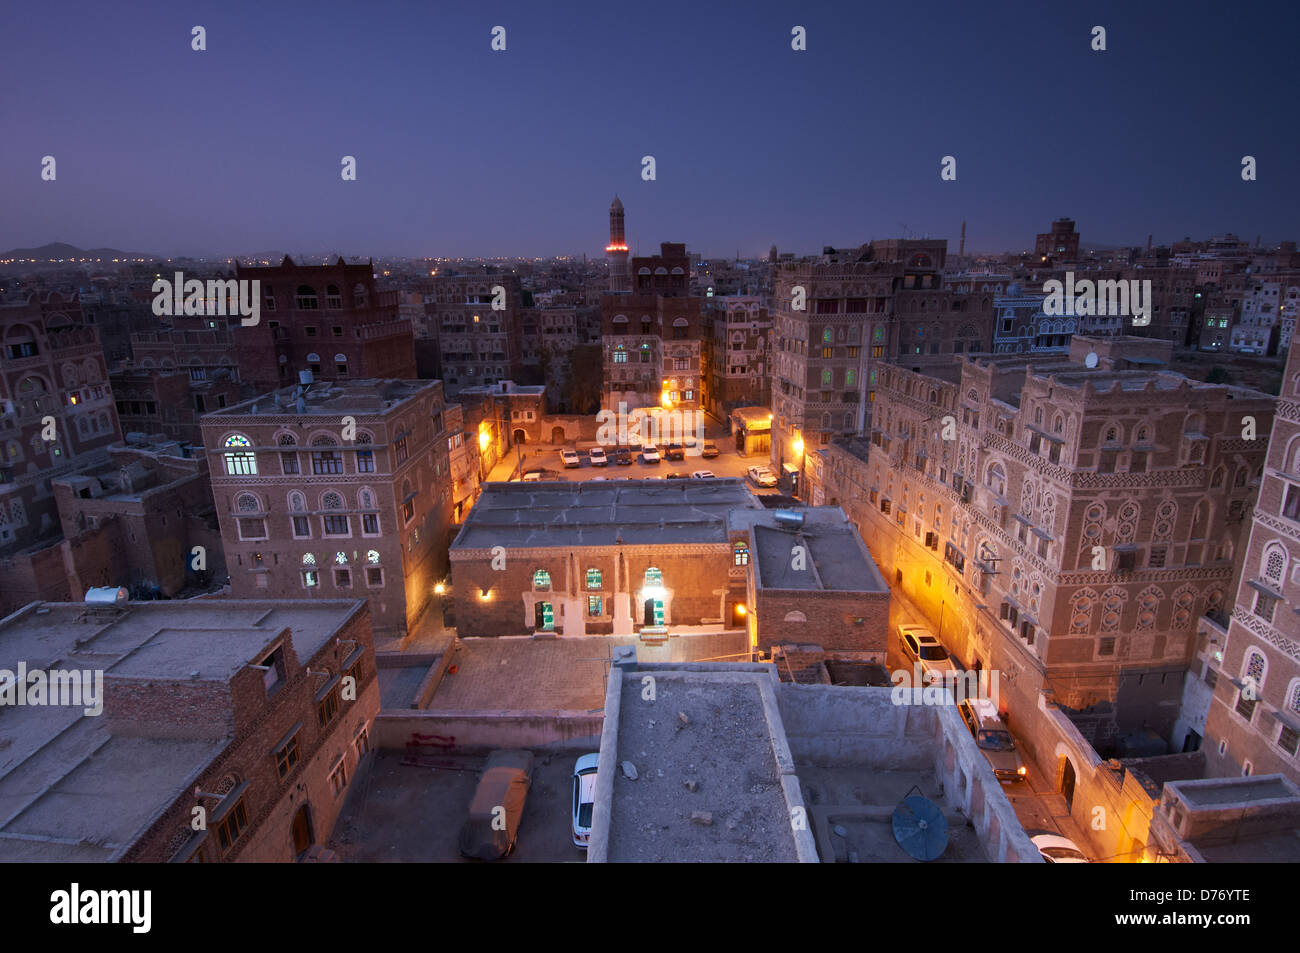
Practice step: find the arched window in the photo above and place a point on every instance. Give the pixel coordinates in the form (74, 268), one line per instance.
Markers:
(1217, 479)
(1058, 424)
(541, 580)
(1273, 563)
(308, 559)
(306, 298)
(325, 462)
(795, 616)
(240, 462)
(247, 503)
(654, 577)
(740, 553)
(1239, 479)
(333, 300)
(331, 501)
(297, 502)
(997, 479)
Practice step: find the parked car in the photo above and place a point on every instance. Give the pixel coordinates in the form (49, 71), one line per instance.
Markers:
(649, 453)
(502, 790)
(570, 458)
(532, 476)
(761, 476)
(674, 451)
(1059, 850)
(920, 645)
(709, 451)
(676, 476)
(597, 456)
(993, 739)
(584, 798)
(623, 457)
(704, 475)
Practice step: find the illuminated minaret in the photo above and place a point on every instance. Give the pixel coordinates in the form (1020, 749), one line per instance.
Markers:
(616, 250)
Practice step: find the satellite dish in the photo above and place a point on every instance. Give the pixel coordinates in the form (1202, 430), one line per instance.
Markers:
(920, 828)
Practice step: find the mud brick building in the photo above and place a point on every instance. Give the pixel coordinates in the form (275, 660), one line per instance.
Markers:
(265, 707)
(1073, 526)
(1253, 723)
(653, 336)
(53, 381)
(650, 558)
(309, 510)
(331, 320)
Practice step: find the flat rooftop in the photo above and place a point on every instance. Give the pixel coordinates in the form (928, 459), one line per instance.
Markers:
(559, 514)
(70, 790)
(835, 557)
(724, 746)
(327, 399)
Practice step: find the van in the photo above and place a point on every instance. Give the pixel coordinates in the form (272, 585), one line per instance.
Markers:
(502, 790)
(993, 739)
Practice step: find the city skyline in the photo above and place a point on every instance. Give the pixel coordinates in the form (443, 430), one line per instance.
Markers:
(755, 143)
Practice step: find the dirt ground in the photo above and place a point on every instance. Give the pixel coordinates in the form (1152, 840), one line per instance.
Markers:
(408, 814)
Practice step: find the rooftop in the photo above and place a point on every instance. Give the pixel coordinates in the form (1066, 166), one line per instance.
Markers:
(836, 557)
(326, 399)
(711, 769)
(71, 790)
(606, 513)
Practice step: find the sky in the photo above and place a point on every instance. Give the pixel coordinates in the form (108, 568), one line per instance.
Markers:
(463, 151)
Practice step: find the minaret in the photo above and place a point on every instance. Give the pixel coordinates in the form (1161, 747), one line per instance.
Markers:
(616, 250)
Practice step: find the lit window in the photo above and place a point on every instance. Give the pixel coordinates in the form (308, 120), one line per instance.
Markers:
(593, 579)
(240, 462)
(541, 579)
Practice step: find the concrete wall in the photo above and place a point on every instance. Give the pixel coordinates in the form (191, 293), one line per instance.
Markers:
(856, 726)
(862, 726)
(451, 731)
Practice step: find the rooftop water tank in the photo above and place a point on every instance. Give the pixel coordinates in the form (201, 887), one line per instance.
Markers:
(117, 595)
(788, 518)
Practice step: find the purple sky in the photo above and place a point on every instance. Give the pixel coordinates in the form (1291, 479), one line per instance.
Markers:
(463, 151)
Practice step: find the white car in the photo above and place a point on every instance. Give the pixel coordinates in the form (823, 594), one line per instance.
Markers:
(598, 457)
(532, 476)
(571, 458)
(703, 475)
(762, 476)
(1059, 850)
(649, 453)
(584, 798)
(919, 644)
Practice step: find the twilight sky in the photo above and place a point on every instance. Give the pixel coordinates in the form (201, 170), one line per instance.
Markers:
(464, 151)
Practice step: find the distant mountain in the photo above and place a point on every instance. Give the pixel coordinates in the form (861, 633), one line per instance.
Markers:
(58, 250)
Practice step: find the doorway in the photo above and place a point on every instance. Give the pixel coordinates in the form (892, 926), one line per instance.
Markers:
(1067, 785)
(557, 435)
(543, 616)
(303, 836)
(654, 612)
(521, 437)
